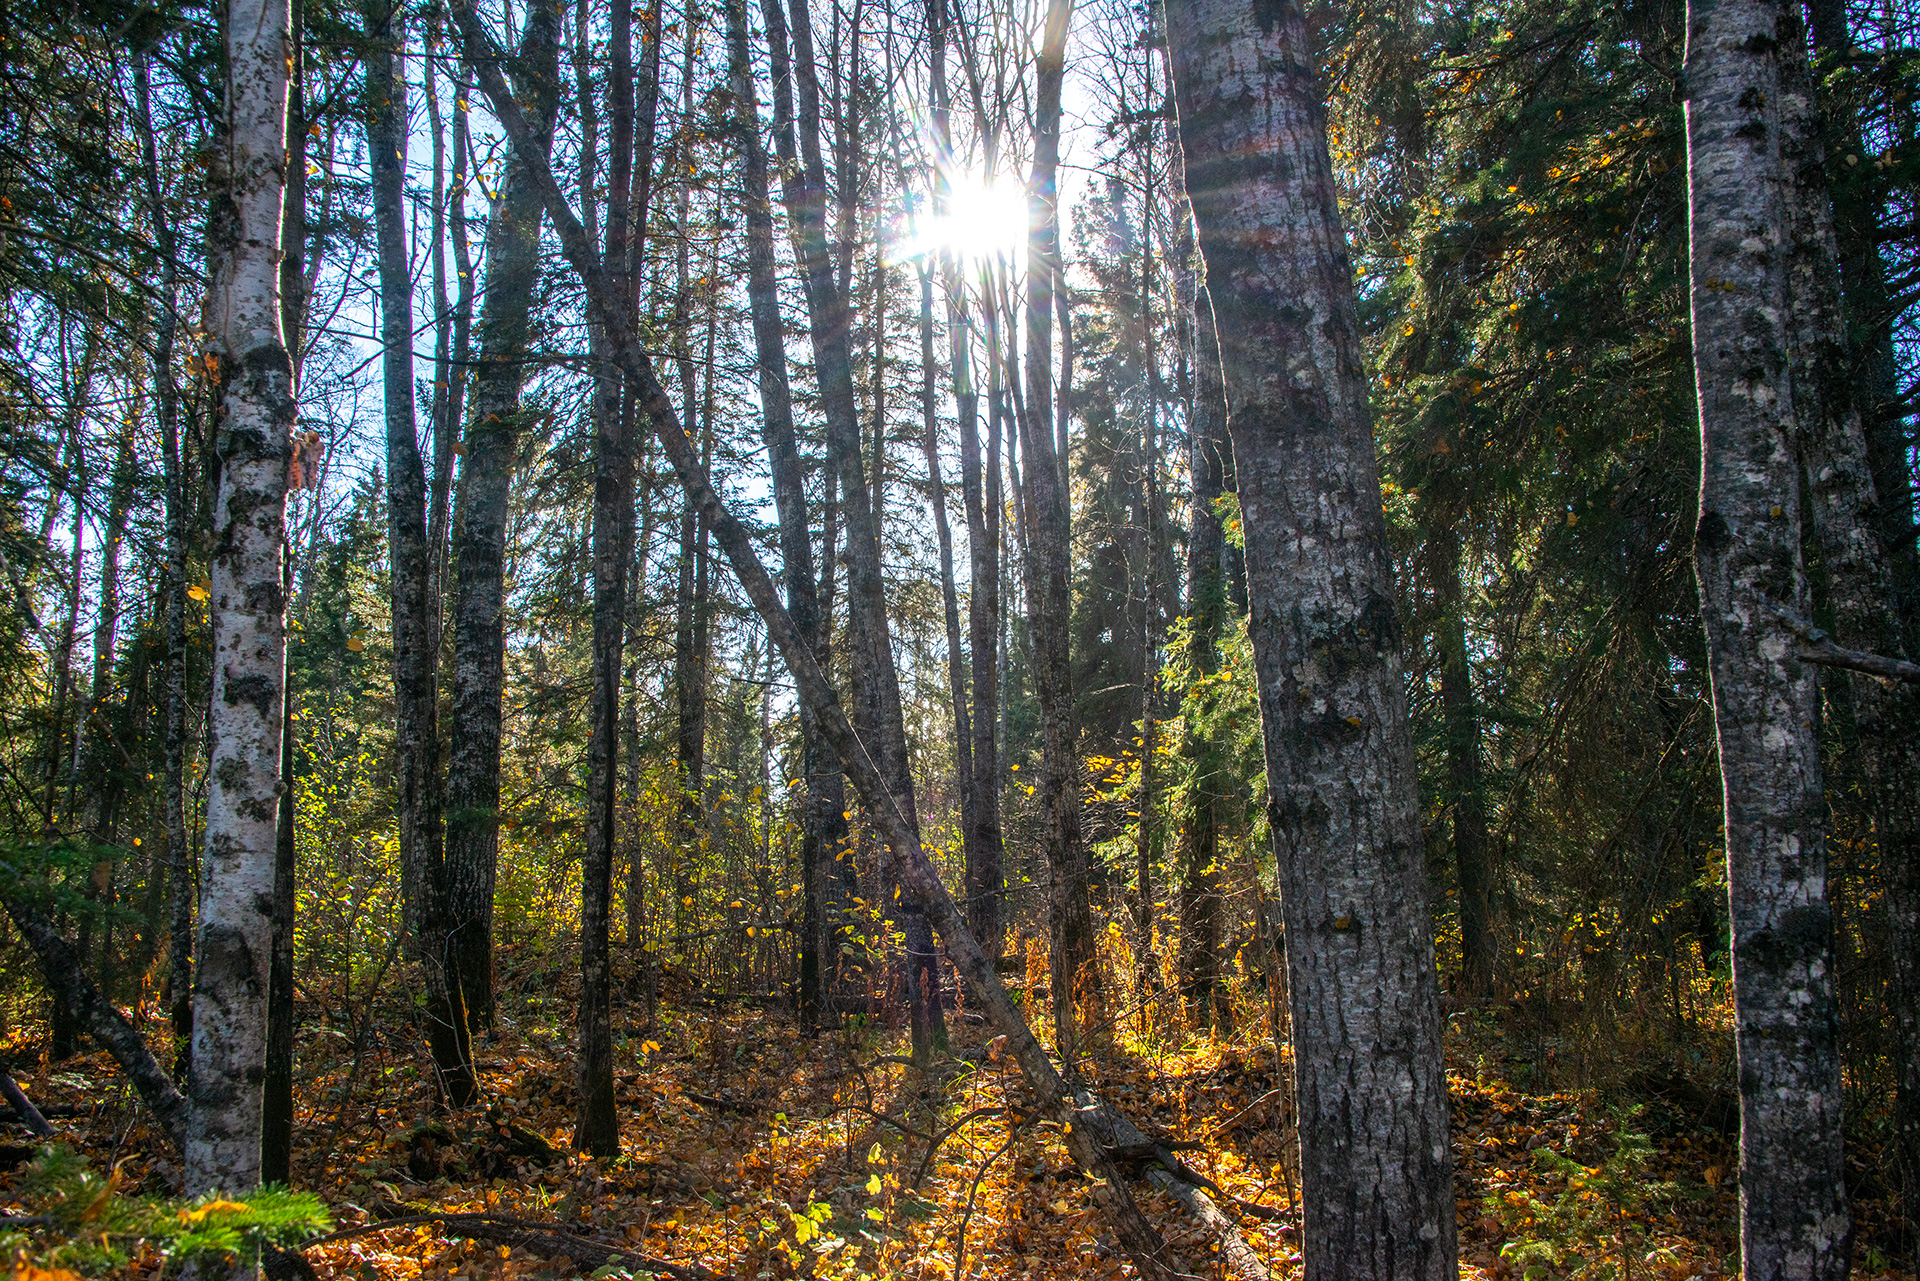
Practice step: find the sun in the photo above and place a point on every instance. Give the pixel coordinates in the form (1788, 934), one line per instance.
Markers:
(984, 216)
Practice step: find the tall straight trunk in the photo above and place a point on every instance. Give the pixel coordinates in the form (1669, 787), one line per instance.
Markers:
(1859, 204)
(1876, 724)
(1747, 556)
(1208, 448)
(1342, 795)
(874, 678)
(689, 682)
(1075, 977)
(1082, 1116)
(598, 1128)
(247, 601)
(276, 1141)
(949, 597)
(492, 441)
(415, 657)
(1146, 556)
(452, 321)
(63, 1025)
(166, 399)
(1466, 799)
(823, 833)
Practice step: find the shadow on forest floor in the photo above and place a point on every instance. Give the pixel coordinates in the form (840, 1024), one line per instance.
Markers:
(753, 1150)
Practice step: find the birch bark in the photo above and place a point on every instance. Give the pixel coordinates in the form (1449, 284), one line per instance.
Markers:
(1747, 557)
(248, 607)
(1342, 797)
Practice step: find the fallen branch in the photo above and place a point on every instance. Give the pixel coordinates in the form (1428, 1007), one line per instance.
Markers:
(742, 1107)
(30, 1116)
(545, 1239)
(1239, 1257)
(70, 985)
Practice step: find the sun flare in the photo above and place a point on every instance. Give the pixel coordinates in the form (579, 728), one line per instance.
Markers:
(984, 216)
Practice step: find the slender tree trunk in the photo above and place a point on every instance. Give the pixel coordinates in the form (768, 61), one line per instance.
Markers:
(492, 440)
(823, 833)
(1859, 203)
(415, 655)
(1466, 800)
(1876, 723)
(598, 1128)
(1146, 556)
(1075, 976)
(174, 732)
(248, 606)
(1208, 448)
(452, 322)
(1794, 1217)
(1342, 795)
(870, 653)
(276, 1142)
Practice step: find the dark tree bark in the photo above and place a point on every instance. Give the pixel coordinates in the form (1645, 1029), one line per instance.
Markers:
(492, 440)
(824, 830)
(1747, 556)
(452, 321)
(276, 1125)
(1876, 723)
(1144, 558)
(415, 651)
(1075, 978)
(1466, 794)
(874, 680)
(174, 730)
(1342, 795)
(598, 1129)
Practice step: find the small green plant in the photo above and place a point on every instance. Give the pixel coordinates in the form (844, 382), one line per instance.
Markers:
(1594, 1228)
(81, 1224)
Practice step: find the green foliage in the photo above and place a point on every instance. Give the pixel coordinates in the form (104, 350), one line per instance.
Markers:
(1595, 1227)
(80, 1222)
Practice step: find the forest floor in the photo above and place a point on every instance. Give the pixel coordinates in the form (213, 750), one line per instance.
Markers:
(752, 1150)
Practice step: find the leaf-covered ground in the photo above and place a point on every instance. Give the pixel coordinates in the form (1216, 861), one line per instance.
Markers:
(754, 1150)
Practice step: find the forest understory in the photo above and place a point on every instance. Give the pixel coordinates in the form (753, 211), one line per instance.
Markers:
(754, 1148)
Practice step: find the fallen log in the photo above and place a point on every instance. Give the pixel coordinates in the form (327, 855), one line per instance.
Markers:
(534, 1236)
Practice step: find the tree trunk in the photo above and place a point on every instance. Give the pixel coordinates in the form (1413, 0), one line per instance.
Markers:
(1466, 799)
(492, 440)
(1876, 723)
(873, 677)
(1342, 796)
(823, 832)
(415, 655)
(1146, 555)
(1794, 1217)
(174, 731)
(1075, 978)
(598, 1129)
(248, 607)
(1208, 449)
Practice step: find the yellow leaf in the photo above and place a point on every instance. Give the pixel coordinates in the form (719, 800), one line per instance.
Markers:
(25, 1271)
(212, 1207)
(1061, 1207)
(873, 1185)
(1572, 520)
(876, 1216)
(197, 592)
(355, 644)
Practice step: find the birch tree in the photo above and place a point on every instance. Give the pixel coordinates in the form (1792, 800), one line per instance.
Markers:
(247, 601)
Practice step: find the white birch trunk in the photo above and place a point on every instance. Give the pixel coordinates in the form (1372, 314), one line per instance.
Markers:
(248, 606)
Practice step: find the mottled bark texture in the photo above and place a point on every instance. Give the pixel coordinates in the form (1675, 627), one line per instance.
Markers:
(415, 651)
(1083, 1116)
(166, 395)
(1747, 556)
(1875, 724)
(824, 822)
(1074, 977)
(492, 441)
(247, 602)
(597, 1130)
(1343, 801)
